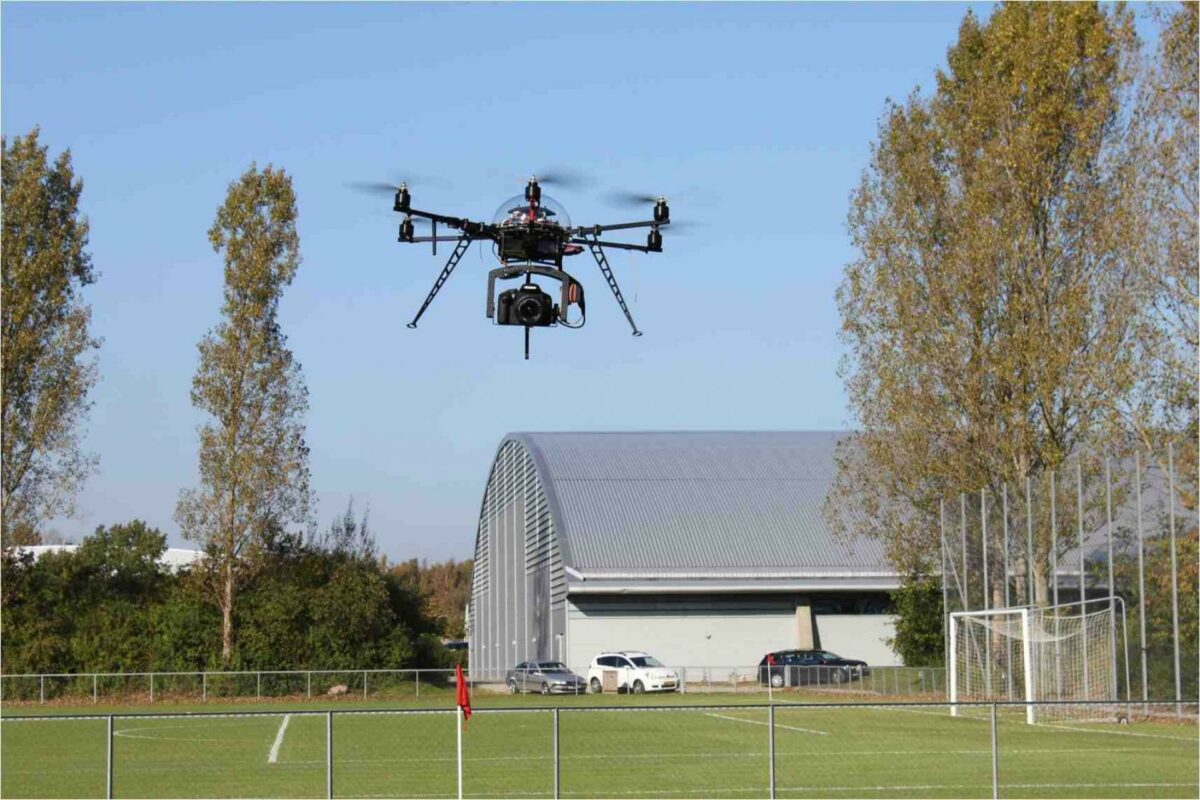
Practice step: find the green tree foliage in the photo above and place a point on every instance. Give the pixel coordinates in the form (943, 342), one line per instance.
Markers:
(44, 333)
(93, 606)
(444, 589)
(253, 458)
(920, 622)
(1025, 291)
(988, 315)
(312, 604)
(1165, 142)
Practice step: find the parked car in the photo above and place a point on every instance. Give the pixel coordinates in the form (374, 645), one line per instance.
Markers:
(809, 667)
(547, 677)
(636, 672)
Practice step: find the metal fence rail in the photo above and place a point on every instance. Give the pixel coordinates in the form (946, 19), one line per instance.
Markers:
(239, 684)
(151, 687)
(766, 749)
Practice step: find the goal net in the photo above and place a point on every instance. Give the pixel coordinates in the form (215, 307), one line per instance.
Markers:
(1060, 662)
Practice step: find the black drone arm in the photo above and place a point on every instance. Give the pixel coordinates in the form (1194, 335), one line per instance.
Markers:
(596, 230)
(641, 248)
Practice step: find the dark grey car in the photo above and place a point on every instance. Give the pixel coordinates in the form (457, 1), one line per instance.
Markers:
(547, 677)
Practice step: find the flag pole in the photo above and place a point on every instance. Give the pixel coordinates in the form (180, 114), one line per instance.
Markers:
(458, 724)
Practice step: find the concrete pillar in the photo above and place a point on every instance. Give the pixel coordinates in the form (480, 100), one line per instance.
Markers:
(806, 631)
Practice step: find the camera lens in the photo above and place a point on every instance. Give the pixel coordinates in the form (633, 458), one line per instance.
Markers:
(529, 309)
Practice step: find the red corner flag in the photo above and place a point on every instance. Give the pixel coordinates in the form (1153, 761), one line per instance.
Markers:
(464, 697)
(770, 659)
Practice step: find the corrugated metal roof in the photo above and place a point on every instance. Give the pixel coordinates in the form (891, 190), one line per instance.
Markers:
(711, 504)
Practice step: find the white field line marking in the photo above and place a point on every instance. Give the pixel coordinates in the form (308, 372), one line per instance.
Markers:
(777, 724)
(686, 792)
(1117, 733)
(274, 755)
(752, 754)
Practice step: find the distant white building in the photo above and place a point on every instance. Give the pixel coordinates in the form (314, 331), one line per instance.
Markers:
(174, 558)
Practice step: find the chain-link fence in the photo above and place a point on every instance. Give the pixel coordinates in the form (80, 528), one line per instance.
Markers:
(425, 684)
(436, 685)
(779, 749)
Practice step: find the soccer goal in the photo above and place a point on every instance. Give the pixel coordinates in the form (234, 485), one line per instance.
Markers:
(1051, 659)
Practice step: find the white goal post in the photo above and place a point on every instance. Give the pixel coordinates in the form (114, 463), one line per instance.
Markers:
(1058, 661)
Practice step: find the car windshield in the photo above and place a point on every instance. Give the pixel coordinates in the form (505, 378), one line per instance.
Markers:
(645, 661)
(827, 654)
(552, 666)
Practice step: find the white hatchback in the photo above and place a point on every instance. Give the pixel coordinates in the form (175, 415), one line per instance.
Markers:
(630, 671)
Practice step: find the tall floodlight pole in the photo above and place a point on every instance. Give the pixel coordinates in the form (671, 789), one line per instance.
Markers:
(1004, 521)
(1137, 469)
(983, 543)
(1029, 579)
(987, 589)
(945, 589)
(1008, 670)
(1083, 619)
(1053, 537)
(1174, 574)
(1054, 582)
(1112, 586)
(966, 586)
(966, 593)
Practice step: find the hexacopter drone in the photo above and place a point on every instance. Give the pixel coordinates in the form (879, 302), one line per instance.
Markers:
(530, 235)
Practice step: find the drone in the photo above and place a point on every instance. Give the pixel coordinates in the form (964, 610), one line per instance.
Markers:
(530, 235)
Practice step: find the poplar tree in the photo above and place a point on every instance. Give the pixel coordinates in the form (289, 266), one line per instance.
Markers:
(1165, 141)
(989, 314)
(254, 475)
(48, 365)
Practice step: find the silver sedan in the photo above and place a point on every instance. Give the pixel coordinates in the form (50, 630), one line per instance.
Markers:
(547, 677)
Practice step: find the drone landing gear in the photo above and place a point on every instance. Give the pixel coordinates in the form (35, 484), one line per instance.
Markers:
(602, 262)
(460, 250)
(526, 342)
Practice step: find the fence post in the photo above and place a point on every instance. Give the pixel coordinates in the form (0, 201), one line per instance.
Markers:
(204, 687)
(94, 692)
(417, 680)
(771, 748)
(258, 686)
(556, 764)
(108, 766)
(329, 755)
(364, 684)
(995, 759)
(41, 688)
(308, 684)
(151, 687)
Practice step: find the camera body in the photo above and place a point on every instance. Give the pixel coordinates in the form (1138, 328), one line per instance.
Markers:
(527, 306)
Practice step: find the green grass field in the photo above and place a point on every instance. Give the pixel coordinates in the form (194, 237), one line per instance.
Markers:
(675, 748)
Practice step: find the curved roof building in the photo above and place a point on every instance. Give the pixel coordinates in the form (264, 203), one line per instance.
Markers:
(703, 548)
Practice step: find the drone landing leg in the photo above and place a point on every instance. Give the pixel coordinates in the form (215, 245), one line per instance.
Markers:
(602, 262)
(526, 342)
(460, 249)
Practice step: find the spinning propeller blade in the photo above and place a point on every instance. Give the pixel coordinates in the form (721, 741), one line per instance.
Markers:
(563, 179)
(631, 198)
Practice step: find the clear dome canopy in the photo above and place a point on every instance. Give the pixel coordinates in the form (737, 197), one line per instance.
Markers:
(515, 211)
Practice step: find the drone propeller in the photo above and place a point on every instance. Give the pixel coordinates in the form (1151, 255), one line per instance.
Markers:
(632, 198)
(390, 187)
(563, 179)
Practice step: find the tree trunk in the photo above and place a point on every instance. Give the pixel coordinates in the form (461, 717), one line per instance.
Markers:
(227, 616)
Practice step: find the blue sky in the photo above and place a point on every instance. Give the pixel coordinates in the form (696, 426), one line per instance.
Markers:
(758, 117)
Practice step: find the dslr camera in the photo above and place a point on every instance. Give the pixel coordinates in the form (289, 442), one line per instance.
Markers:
(528, 306)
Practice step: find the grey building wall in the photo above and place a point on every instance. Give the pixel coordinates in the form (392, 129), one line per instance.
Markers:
(518, 592)
(707, 539)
